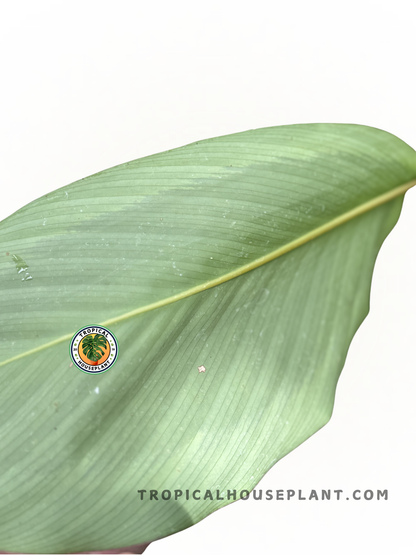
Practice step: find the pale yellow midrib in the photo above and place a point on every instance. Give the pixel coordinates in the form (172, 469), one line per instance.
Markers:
(369, 205)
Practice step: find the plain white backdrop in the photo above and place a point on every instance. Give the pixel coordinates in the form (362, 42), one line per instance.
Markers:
(87, 85)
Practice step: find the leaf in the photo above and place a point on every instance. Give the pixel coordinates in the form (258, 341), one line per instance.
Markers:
(250, 255)
(92, 346)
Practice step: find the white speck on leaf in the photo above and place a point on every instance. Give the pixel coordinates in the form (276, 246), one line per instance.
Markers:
(97, 390)
(201, 369)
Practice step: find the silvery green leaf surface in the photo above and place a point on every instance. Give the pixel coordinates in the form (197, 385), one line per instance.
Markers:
(249, 254)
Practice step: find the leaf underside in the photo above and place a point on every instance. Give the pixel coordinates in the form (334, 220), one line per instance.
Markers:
(273, 340)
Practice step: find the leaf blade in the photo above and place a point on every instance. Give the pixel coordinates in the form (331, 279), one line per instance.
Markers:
(253, 385)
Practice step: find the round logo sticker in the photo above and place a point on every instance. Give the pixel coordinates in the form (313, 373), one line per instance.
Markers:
(94, 349)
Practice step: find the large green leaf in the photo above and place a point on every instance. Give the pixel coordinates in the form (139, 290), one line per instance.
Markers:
(249, 254)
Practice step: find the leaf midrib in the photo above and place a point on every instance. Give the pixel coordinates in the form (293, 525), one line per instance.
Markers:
(332, 224)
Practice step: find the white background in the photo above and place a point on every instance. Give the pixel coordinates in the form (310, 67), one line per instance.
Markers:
(87, 85)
